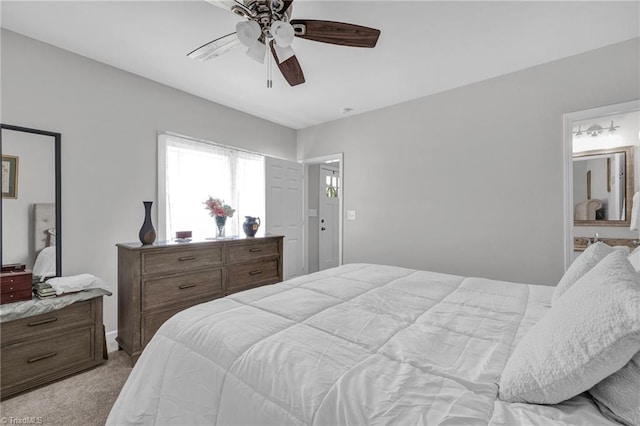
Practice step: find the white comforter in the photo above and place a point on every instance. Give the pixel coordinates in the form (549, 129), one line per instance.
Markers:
(355, 345)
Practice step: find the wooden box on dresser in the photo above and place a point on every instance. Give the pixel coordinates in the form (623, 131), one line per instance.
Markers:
(43, 348)
(156, 281)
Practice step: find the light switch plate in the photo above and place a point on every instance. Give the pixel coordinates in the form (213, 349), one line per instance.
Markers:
(351, 215)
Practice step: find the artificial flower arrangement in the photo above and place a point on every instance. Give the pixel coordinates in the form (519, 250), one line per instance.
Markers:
(217, 208)
(221, 211)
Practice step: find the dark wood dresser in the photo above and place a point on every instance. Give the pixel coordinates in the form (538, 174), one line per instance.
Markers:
(43, 348)
(157, 281)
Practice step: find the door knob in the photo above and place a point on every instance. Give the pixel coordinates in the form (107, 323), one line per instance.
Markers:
(323, 229)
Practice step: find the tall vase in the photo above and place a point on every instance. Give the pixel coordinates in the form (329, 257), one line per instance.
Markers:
(147, 232)
(220, 222)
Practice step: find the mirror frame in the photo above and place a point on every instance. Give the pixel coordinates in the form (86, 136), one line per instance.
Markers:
(628, 182)
(58, 186)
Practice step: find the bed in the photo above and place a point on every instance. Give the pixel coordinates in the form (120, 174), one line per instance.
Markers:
(358, 344)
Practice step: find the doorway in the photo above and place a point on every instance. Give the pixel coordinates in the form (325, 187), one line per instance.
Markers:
(328, 197)
(593, 133)
(324, 196)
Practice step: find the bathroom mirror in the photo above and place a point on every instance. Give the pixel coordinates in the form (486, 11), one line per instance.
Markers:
(31, 194)
(603, 186)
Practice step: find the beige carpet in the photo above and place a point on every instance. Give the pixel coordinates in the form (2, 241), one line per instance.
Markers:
(83, 400)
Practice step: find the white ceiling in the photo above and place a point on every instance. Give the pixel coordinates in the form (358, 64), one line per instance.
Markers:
(425, 47)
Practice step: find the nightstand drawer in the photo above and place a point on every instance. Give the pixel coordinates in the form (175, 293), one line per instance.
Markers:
(33, 359)
(252, 274)
(251, 251)
(183, 260)
(45, 324)
(167, 291)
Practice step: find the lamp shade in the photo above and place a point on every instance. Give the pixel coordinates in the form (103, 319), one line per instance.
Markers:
(257, 51)
(248, 32)
(283, 53)
(282, 33)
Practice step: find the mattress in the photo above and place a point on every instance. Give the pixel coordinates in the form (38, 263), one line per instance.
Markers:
(355, 345)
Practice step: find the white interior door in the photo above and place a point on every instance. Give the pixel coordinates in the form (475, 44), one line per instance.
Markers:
(284, 210)
(329, 219)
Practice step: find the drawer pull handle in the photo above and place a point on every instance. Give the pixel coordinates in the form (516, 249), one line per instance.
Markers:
(44, 321)
(183, 286)
(185, 258)
(255, 250)
(255, 272)
(41, 357)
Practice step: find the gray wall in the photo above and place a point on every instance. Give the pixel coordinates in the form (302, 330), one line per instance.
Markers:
(108, 119)
(470, 181)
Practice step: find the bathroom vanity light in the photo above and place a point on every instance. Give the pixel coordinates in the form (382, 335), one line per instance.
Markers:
(596, 130)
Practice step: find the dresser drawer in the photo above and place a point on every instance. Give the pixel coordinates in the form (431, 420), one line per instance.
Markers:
(31, 360)
(151, 322)
(73, 315)
(161, 292)
(248, 275)
(250, 251)
(183, 260)
(10, 283)
(16, 296)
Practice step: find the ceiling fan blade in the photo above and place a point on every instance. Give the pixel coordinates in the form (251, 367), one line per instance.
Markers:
(287, 4)
(335, 32)
(290, 68)
(215, 48)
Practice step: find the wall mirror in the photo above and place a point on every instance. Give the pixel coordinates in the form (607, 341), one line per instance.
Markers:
(603, 186)
(31, 194)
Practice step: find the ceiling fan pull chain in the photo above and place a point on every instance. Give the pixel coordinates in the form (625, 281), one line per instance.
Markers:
(269, 71)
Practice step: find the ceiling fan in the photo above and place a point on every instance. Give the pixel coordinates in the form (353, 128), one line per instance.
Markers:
(269, 23)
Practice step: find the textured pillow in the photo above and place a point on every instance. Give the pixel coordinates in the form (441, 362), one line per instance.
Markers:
(583, 264)
(592, 331)
(618, 396)
(634, 258)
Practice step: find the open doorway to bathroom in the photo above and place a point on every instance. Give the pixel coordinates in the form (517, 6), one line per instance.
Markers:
(324, 196)
(602, 158)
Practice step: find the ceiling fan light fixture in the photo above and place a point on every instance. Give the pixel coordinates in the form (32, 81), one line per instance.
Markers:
(257, 51)
(283, 53)
(248, 32)
(282, 33)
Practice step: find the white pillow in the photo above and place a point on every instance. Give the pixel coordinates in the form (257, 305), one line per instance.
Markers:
(634, 258)
(583, 264)
(591, 332)
(618, 396)
(75, 283)
(45, 264)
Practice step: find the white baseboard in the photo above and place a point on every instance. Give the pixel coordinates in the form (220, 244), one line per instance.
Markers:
(112, 345)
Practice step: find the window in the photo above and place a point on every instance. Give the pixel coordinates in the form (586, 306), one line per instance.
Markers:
(195, 170)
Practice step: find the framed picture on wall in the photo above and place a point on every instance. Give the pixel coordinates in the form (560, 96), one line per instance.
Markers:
(9, 176)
